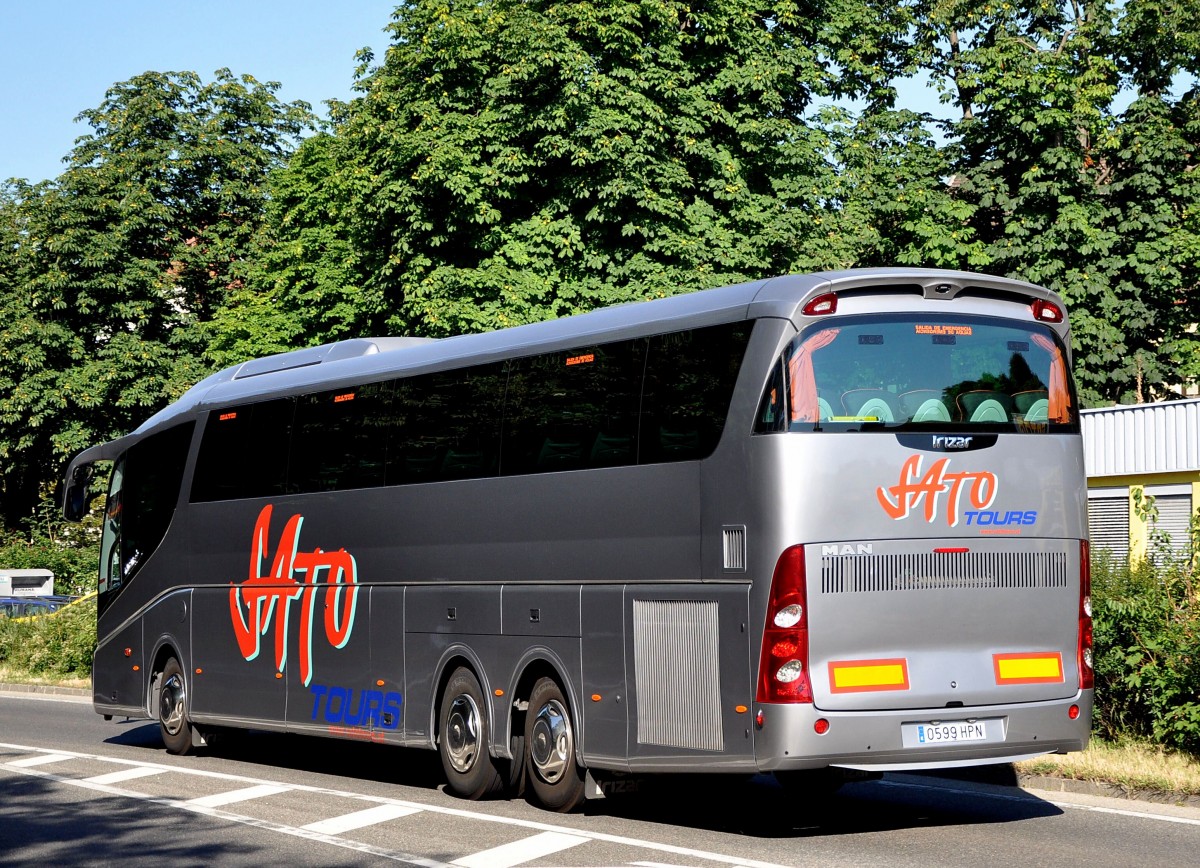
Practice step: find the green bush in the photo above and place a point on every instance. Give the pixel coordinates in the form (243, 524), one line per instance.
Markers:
(58, 645)
(1147, 646)
(51, 646)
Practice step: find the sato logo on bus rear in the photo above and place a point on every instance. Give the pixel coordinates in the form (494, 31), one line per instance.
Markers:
(954, 494)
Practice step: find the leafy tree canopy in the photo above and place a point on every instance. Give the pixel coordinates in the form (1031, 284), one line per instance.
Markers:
(120, 260)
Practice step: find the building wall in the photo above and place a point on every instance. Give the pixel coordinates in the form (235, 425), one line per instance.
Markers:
(1148, 448)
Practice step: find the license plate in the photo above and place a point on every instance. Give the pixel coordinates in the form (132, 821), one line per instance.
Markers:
(951, 732)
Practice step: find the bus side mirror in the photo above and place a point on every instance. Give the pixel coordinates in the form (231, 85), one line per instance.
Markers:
(78, 498)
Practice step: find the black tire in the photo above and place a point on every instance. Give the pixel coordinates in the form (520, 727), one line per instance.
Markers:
(551, 772)
(463, 738)
(173, 721)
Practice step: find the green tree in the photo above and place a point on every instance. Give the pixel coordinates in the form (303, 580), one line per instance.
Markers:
(1068, 194)
(302, 284)
(123, 257)
(514, 161)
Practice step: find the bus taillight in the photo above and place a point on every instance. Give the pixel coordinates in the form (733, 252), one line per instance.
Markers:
(1047, 311)
(821, 305)
(783, 666)
(1087, 675)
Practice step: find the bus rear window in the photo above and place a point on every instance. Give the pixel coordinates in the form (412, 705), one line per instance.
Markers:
(910, 371)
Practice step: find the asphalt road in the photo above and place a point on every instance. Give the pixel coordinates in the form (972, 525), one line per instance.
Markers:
(76, 790)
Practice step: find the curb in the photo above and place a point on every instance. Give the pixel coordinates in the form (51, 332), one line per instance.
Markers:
(1045, 783)
(49, 689)
(1005, 775)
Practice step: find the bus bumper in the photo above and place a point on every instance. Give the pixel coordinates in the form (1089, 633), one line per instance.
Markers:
(788, 736)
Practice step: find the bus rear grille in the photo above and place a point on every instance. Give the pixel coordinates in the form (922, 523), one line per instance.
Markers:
(936, 572)
(677, 672)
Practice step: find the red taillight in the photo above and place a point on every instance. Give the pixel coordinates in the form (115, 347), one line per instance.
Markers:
(1087, 675)
(783, 666)
(822, 305)
(1046, 311)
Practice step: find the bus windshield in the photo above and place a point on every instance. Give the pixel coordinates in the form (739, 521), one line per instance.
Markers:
(890, 371)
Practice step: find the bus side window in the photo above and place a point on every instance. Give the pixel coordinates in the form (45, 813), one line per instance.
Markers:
(572, 410)
(772, 410)
(141, 503)
(244, 452)
(339, 440)
(687, 389)
(446, 425)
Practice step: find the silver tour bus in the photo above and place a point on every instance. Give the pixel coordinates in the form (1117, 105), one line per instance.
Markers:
(819, 525)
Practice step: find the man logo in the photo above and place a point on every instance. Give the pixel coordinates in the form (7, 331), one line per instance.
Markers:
(843, 550)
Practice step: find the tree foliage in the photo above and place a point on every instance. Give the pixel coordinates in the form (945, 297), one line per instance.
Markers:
(121, 259)
(510, 161)
(1069, 192)
(527, 160)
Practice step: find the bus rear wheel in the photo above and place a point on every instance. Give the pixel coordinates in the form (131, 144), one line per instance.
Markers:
(173, 721)
(463, 738)
(551, 770)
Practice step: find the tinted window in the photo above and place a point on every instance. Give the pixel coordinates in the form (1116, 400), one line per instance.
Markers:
(655, 399)
(340, 439)
(919, 371)
(142, 495)
(574, 409)
(689, 382)
(446, 425)
(244, 452)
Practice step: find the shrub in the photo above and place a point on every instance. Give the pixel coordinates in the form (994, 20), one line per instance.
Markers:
(51, 646)
(1147, 645)
(58, 645)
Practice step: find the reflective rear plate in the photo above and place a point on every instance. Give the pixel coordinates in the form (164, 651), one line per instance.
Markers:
(951, 732)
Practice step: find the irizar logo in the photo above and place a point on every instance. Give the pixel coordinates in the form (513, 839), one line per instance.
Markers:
(834, 551)
(945, 442)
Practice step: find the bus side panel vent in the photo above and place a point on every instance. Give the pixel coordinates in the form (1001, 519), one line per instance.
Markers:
(677, 673)
(733, 538)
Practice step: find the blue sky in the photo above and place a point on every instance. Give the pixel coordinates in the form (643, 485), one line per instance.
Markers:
(58, 57)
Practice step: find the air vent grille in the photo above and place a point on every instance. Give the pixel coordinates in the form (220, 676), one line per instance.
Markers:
(936, 572)
(734, 541)
(678, 674)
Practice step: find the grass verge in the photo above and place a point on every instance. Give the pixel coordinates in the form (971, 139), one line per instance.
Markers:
(16, 675)
(1129, 765)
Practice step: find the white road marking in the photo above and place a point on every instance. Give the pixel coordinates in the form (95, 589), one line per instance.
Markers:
(229, 797)
(129, 774)
(40, 760)
(1187, 821)
(359, 819)
(654, 846)
(516, 852)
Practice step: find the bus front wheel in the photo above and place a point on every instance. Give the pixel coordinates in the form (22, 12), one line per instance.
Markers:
(173, 721)
(463, 738)
(551, 770)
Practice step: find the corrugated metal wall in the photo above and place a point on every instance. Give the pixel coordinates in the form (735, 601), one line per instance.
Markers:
(1142, 439)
